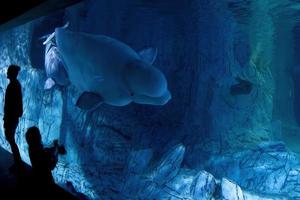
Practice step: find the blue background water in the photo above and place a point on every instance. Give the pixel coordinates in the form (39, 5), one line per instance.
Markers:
(150, 152)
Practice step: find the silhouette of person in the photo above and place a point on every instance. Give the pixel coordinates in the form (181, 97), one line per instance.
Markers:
(43, 160)
(13, 110)
(40, 159)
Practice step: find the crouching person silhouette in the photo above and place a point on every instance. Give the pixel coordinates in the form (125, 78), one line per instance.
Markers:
(13, 110)
(43, 160)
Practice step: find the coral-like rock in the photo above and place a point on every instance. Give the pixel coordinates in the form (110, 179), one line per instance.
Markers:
(231, 191)
(268, 169)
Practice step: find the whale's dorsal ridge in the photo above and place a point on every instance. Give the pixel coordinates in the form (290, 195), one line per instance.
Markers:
(148, 55)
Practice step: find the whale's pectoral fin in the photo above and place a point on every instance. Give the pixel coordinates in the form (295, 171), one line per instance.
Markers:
(49, 38)
(89, 101)
(49, 84)
(148, 55)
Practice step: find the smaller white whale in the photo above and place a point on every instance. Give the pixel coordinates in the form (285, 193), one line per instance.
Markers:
(54, 65)
(108, 71)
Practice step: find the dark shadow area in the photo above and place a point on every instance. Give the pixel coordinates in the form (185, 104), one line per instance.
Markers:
(243, 87)
(16, 12)
(27, 183)
(21, 185)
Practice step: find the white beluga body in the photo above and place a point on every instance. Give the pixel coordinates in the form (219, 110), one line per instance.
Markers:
(54, 65)
(108, 71)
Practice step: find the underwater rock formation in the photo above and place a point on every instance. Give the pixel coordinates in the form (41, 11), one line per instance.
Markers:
(146, 184)
(165, 178)
(231, 191)
(269, 169)
(180, 183)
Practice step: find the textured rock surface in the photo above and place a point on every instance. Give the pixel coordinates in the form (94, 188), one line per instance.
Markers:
(183, 184)
(231, 191)
(204, 186)
(148, 180)
(251, 196)
(269, 169)
(117, 152)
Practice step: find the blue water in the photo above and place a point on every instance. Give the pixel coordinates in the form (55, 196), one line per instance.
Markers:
(157, 152)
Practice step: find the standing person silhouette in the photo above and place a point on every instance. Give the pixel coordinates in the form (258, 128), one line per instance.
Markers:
(13, 110)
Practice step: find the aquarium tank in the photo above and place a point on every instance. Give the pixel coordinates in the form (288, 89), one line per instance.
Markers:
(164, 99)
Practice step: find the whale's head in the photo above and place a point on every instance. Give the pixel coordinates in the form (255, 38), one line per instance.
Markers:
(66, 41)
(144, 79)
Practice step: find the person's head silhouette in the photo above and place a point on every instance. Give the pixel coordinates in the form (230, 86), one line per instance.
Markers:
(33, 137)
(13, 71)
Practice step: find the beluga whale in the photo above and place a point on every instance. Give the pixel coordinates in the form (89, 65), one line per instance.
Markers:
(54, 65)
(108, 71)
